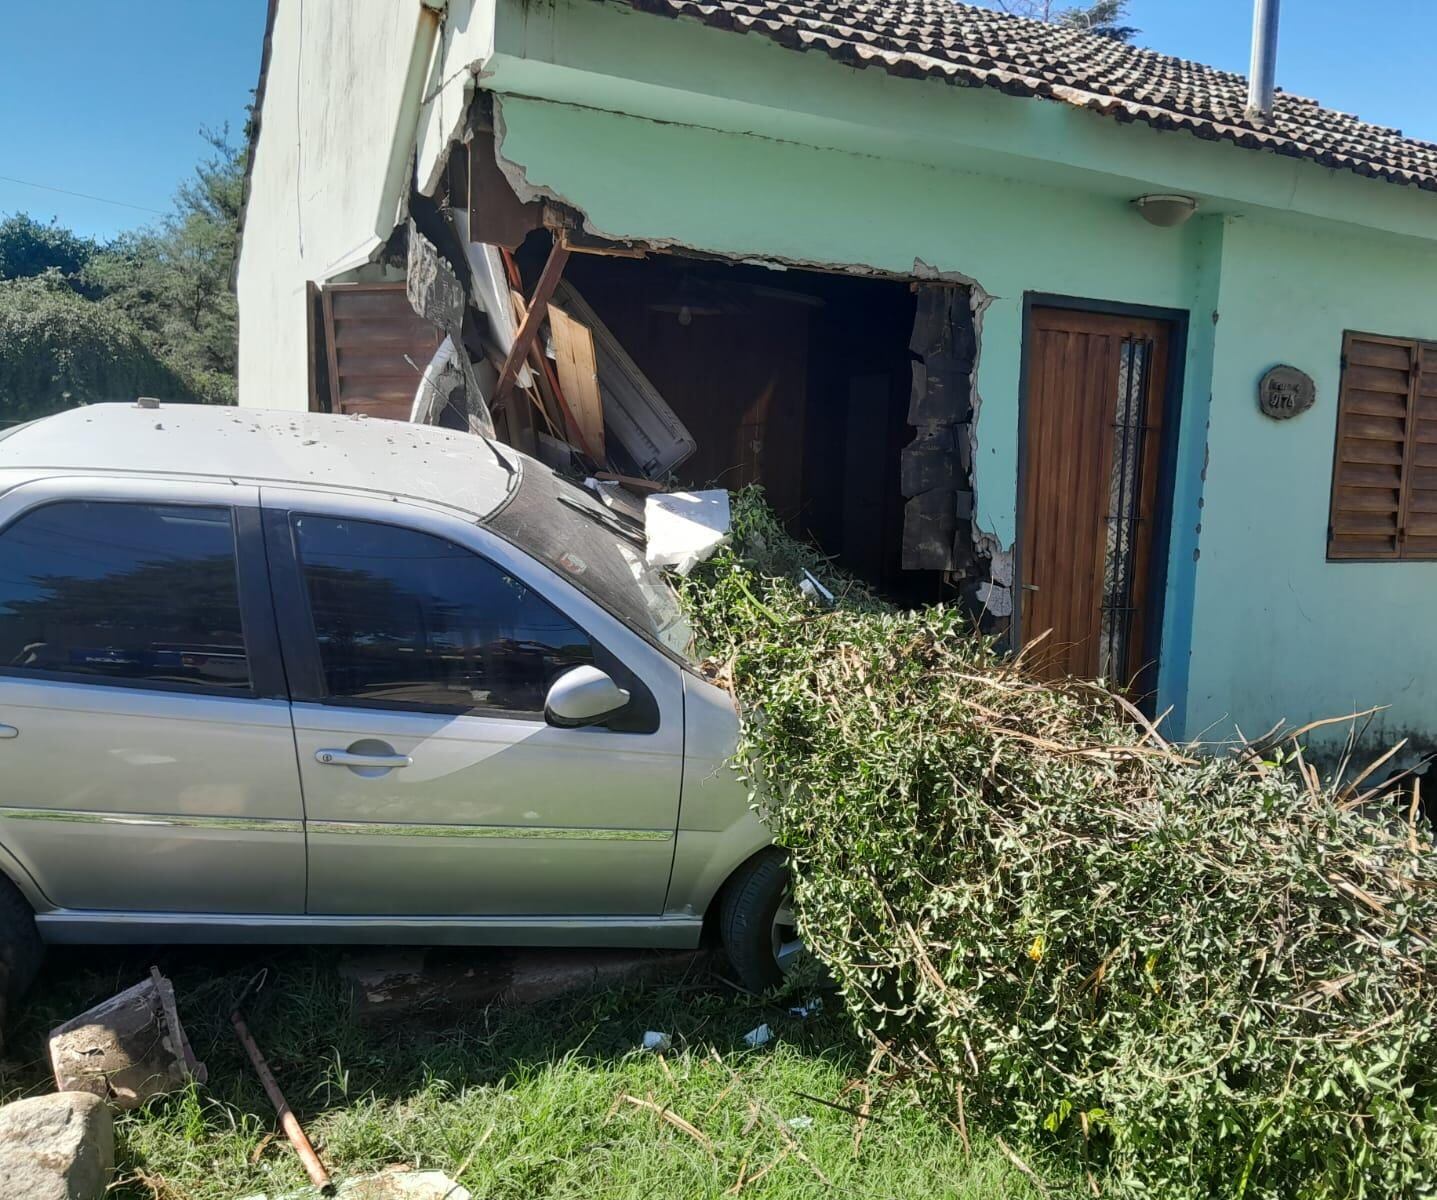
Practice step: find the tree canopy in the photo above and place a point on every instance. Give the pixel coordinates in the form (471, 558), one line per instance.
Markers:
(152, 311)
(1101, 17)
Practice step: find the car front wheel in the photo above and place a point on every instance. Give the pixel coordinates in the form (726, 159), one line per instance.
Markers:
(756, 922)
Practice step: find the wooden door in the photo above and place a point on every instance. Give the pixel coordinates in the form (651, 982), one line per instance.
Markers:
(1093, 414)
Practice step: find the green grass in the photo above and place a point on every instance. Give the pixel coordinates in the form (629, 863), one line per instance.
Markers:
(516, 1103)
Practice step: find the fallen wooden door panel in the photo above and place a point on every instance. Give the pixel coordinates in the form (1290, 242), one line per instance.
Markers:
(579, 378)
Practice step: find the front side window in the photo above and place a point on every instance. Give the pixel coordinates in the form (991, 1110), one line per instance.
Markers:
(132, 592)
(406, 619)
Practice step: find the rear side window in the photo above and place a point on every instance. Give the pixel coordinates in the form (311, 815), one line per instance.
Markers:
(410, 620)
(132, 592)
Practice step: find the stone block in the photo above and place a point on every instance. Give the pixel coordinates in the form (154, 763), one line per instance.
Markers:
(56, 1147)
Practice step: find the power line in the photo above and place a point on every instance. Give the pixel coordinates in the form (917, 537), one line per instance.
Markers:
(82, 195)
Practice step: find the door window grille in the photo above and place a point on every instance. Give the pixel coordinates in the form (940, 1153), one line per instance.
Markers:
(1124, 517)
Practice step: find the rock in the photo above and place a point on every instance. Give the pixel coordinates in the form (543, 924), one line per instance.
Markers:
(57, 1147)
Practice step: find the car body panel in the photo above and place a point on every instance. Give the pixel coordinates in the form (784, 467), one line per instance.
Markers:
(180, 817)
(718, 827)
(340, 453)
(494, 815)
(122, 797)
(79, 927)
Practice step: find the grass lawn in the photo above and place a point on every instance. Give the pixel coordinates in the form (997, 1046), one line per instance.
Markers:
(516, 1103)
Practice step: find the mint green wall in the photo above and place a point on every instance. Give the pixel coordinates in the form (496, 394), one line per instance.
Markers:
(669, 132)
(1279, 632)
(759, 198)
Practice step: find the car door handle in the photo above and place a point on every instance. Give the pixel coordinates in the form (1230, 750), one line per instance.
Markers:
(8, 731)
(347, 758)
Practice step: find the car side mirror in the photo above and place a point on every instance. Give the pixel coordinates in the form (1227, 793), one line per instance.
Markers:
(583, 696)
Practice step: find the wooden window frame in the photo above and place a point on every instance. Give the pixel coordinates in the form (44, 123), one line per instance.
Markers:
(1422, 362)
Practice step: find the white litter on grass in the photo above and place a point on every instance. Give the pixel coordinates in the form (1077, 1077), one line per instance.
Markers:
(798, 1122)
(761, 1036)
(809, 1008)
(682, 529)
(656, 1041)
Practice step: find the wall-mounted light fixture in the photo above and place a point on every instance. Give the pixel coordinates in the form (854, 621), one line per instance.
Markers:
(1165, 211)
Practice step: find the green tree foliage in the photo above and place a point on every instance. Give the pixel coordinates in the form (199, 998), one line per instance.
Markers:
(151, 312)
(1194, 976)
(1104, 18)
(173, 280)
(1101, 17)
(29, 248)
(58, 349)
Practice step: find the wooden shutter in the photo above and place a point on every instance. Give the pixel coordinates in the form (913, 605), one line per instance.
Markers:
(1419, 507)
(377, 346)
(1374, 432)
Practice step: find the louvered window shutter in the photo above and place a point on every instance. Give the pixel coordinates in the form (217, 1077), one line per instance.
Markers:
(377, 347)
(1419, 502)
(1376, 438)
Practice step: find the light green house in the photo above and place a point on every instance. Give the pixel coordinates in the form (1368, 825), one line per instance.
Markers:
(831, 200)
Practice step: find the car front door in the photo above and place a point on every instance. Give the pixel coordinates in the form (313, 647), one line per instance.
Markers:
(145, 741)
(420, 649)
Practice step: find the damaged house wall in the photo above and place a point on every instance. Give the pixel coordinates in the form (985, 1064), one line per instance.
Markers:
(675, 135)
(755, 198)
(328, 179)
(939, 531)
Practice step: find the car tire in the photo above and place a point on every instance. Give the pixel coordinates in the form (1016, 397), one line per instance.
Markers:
(751, 903)
(20, 947)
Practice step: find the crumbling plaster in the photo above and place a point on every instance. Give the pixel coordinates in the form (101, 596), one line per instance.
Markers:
(760, 199)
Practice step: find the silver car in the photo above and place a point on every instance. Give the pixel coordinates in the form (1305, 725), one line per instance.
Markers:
(284, 677)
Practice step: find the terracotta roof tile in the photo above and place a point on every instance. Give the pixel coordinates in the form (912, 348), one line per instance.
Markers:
(978, 47)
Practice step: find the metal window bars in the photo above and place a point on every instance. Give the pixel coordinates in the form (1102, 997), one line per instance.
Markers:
(1124, 490)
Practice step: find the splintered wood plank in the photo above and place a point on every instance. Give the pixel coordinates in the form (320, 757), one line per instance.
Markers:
(578, 379)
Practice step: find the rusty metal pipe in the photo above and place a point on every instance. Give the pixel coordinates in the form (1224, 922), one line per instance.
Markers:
(287, 1120)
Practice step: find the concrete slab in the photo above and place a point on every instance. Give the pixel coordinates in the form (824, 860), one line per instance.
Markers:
(424, 984)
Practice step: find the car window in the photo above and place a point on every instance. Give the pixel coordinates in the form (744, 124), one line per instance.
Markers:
(121, 591)
(407, 619)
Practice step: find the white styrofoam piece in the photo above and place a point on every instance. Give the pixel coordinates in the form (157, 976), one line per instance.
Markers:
(684, 528)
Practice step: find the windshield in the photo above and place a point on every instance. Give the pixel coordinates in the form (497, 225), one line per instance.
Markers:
(597, 550)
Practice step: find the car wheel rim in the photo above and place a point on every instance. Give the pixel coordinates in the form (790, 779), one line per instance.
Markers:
(788, 947)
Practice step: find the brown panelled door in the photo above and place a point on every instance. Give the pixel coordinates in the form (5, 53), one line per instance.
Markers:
(1093, 414)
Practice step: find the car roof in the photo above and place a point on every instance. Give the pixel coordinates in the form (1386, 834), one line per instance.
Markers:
(420, 462)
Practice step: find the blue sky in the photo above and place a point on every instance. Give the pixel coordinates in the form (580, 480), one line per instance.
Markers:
(107, 97)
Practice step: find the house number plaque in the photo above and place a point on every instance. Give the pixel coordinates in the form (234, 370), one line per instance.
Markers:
(1284, 392)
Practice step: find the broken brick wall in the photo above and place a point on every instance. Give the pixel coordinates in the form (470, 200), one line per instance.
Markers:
(937, 466)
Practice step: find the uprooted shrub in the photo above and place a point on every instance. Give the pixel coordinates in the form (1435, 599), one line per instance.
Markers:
(1195, 976)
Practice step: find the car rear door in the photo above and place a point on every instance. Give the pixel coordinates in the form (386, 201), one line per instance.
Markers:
(145, 741)
(423, 643)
